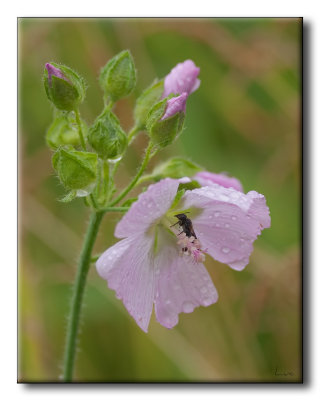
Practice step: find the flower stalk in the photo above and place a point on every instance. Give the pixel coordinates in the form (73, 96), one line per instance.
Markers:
(78, 292)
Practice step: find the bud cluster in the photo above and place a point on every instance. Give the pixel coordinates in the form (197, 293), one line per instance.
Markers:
(160, 110)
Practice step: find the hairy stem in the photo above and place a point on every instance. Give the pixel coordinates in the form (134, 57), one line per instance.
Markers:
(82, 141)
(135, 179)
(78, 291)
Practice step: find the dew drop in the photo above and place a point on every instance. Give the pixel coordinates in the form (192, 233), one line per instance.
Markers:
(227, 225)
(157, 271)
(203, 289)
(167, 301)
(225, 250)
(233, 217)
(217, 225)
(210, 216)
(217, 213)
(187, 307)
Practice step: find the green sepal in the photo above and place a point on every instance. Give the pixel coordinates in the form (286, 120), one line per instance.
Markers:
(146, 101)
(163, 132)
(176, 200)
(64, 131)
(77, 170)
(189, 185)
(107, 137)
(69, 196)
(118, 76)
(65, 94)
(176, 167)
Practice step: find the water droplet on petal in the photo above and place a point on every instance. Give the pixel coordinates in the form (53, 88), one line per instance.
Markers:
(233, 217)
(210, 216)
(187, 307)
(227, 225)
(203, 289)
(225, 250)
(217, 213)
(167, 301)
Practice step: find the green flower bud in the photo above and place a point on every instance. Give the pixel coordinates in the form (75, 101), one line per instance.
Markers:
(175, 168)
(107, 137)
(145, 102)
(118, 76)
(165, 120)
(63, 86)
(64, 131)
(77, 170)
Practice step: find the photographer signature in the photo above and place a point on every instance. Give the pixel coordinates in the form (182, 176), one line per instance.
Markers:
(278, 372)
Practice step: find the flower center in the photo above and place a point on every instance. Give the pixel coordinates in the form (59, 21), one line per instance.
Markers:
(190, 246)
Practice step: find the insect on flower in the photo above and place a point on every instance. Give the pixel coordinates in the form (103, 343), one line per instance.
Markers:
(186, 225)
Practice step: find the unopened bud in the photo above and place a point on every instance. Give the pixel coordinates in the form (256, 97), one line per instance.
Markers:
(107, 137)
(165, 120)
(118, 76)
(63, 86)
(77, 170)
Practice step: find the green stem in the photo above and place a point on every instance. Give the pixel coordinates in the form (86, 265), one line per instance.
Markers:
(115, 209)
(82, 141)
(78, 291)
(132, 134)
(136, 178)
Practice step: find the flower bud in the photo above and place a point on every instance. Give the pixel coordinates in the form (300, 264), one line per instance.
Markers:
(165, 120)
(77, 170)
(145, 102)
(64, 131)
(107, 137)
(182, 78)
(118, 76)
(63, 86)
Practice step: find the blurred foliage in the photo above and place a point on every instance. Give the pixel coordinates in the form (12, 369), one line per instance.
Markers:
(245, 119)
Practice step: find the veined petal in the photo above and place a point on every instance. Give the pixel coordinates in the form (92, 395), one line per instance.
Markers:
(150, 206)
(206, 178)
(128, 268)
(229, 222)
(181, 284)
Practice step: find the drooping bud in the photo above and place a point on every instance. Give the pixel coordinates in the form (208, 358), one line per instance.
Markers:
(77, 170)
(165, 120)
(64, 131)
(206, 178)
(145, 102)
(63, 86)
(118, 76)
(107, 137)
(182, 78)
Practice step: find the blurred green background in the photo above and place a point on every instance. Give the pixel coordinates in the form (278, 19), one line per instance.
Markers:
(245, 119)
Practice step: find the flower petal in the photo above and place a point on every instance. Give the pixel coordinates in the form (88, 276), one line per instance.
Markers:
(128, 268)
(181, 284)
(182, 78)
(229, 223)
(150, 206)
(206, 178)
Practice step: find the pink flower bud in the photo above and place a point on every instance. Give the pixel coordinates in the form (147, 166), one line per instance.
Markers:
(53, 71)
(175, 105)
(182, 78)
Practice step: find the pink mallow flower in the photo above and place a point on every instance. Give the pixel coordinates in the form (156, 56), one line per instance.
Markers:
(183, 78)
(157, 264)
(205, 178)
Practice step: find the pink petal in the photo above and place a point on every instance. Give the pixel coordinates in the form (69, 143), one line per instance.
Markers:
(229, 222)
(175, 105)
(150, 206)
(181, 284)
(128, 268)
(206, 178)
(182, 78)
